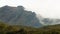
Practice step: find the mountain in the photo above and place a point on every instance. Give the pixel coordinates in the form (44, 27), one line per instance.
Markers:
(18, 16)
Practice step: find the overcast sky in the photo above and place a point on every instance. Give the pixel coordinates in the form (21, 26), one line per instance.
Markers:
(46, 8)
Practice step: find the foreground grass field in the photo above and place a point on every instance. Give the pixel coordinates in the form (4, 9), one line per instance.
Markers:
(14, 29)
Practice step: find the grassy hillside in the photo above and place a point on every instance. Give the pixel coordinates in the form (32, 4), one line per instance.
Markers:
(8, 29)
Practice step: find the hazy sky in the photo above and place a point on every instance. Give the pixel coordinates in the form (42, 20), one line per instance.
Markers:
(46, 8)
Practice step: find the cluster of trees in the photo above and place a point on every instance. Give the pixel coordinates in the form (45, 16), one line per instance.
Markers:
(14, 29)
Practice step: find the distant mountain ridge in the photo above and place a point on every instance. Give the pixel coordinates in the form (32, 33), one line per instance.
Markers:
(18, 16)
(48, 21)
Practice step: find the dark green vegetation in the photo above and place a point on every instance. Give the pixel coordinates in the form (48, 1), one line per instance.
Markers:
(8, 29)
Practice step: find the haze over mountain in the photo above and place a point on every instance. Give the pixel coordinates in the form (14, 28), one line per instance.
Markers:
(48, 21)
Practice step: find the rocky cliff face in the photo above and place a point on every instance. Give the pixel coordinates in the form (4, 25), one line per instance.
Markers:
(18, 16)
